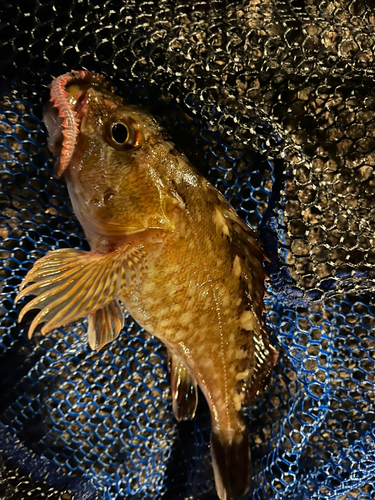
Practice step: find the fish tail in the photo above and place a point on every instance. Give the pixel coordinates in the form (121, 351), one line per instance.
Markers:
(231, 462)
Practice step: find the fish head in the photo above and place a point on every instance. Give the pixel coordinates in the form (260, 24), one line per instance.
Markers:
(113, 168)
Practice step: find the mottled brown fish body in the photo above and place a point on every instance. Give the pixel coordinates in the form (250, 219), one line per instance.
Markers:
(198, 303)
(167, 246)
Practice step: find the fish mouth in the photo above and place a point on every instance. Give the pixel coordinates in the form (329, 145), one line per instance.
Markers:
(63, 115)
(57, 127)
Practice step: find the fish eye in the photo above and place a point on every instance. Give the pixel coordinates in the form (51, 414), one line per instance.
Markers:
(121, 134)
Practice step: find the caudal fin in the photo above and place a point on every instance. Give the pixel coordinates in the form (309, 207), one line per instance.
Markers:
(231, 462)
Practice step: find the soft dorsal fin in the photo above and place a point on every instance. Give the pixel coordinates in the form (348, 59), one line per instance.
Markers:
(70, 284)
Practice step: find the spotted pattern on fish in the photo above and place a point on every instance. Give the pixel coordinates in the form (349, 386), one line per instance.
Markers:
(168, 247)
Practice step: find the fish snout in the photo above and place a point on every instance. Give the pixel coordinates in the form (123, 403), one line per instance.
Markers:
(102, 201)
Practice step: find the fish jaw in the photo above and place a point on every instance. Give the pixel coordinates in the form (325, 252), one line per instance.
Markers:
(63, 126)
(105, 233)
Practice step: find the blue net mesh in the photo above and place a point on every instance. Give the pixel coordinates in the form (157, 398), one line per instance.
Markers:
(274, 103)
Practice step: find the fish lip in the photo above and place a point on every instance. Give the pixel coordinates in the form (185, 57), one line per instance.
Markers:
(60, 99)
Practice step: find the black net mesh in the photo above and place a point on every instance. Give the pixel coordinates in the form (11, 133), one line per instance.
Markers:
(274, 102)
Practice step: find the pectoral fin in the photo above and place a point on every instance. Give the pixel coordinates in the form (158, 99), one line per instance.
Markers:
(184, 390)
(105, 324)
(70, 284)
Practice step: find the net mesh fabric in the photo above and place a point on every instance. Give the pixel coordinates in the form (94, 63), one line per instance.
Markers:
(274, 102)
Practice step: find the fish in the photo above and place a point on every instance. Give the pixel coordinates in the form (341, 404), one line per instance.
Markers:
(166, 247)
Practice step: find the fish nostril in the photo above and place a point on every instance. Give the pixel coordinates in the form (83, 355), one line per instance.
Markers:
(95, 201)
(108, 197)
(103, 201)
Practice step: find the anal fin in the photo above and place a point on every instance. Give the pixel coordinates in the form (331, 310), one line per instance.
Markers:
(184, 390)
(105, 324)
(231, 461)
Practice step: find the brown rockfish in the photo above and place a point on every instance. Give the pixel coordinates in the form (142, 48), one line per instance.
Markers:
(167, 247)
